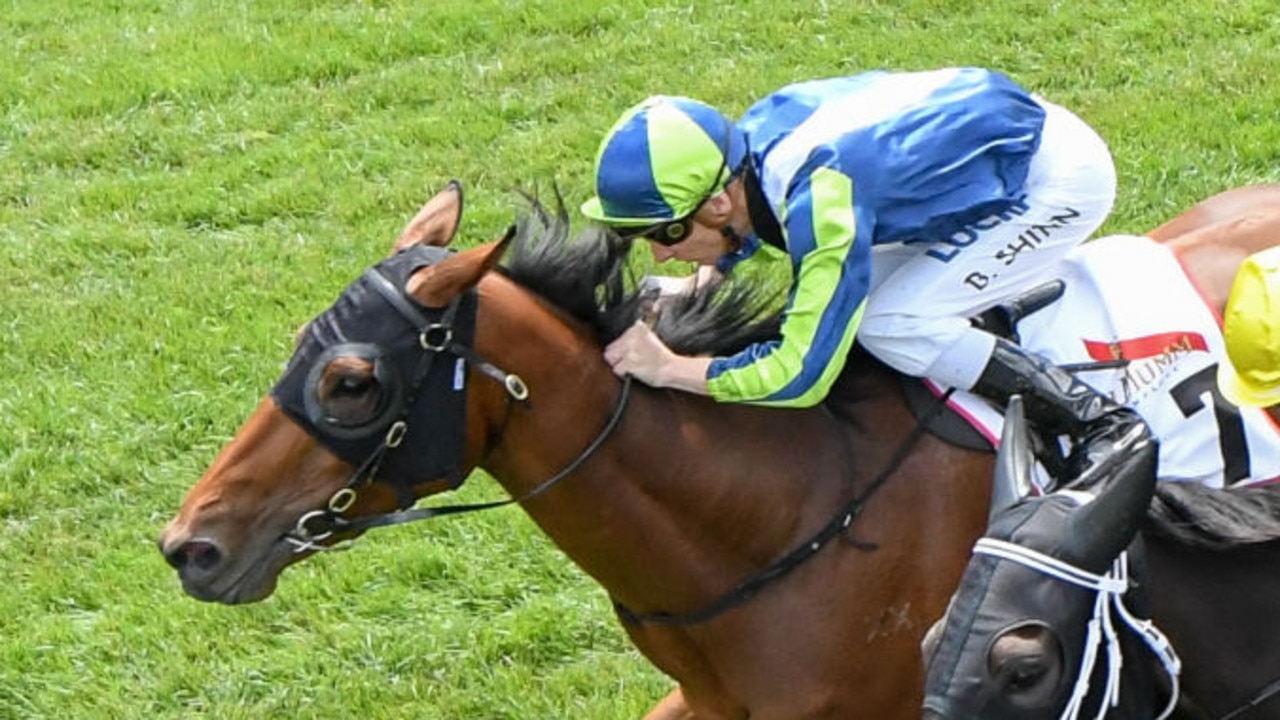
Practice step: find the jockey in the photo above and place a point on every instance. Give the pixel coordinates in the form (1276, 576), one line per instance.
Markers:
(905, 202)
(1251, 328)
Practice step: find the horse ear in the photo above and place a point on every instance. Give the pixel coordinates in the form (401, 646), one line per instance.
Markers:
(436, 285)
(1100, 529)
(1015, 461)
(436, 222)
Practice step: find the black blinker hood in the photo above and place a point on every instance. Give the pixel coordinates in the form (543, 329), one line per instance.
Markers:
(375, 319)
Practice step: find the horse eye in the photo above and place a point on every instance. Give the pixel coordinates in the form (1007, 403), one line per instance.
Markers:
(1024, 676)
(1026, 664)
(351, 386)
(349, 392)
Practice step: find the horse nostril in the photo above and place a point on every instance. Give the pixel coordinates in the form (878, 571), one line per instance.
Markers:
(199, 554)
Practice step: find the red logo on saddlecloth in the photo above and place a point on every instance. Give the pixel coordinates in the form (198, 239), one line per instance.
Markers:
(1147, 346)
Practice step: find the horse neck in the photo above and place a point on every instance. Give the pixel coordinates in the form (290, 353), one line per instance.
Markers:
(685, 496)
(571, 390)
(1213, 605)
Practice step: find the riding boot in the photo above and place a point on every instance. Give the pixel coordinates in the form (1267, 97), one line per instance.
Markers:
(1059, 404)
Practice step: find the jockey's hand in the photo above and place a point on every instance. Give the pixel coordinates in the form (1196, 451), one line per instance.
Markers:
(639, 352)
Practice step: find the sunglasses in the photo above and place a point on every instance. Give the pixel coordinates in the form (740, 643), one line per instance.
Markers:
(672, 232)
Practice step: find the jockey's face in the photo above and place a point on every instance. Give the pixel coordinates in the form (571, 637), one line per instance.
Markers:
(707, 241)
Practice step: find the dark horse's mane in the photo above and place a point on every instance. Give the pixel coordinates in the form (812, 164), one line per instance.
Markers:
(1194, 515)
(588, 276)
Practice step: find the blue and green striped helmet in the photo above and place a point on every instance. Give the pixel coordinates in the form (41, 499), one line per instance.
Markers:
(661, 160)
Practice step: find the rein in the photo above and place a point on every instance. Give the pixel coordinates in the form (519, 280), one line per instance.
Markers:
(1258, 699)
(305, 538)
(841, 522)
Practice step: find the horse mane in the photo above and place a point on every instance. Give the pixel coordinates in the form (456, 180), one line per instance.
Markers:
(1216, 519)
(590, 278)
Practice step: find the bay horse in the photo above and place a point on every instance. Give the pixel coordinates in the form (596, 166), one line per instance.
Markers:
(1049, 623)
(779, 564)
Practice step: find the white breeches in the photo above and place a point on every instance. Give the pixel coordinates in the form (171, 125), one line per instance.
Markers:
(922, 293)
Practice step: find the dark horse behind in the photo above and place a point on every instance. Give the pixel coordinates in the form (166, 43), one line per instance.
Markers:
(1050, 623)
(779, 564)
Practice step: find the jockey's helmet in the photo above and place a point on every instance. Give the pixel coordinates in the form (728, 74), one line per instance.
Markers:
(1251, 326)
(662, 160)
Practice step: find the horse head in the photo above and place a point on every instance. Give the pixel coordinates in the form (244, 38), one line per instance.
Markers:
(372, 372)
(1015, 637)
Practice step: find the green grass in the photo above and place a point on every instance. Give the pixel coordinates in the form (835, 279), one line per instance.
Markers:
(183, 183)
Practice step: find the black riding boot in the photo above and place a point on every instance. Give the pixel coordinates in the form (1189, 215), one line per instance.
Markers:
(1059, 404)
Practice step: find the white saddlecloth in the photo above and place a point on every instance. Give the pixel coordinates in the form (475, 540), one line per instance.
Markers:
(1128, 296)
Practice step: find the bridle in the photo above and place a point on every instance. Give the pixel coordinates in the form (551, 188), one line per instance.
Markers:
(1110, 588)
(437, 336)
